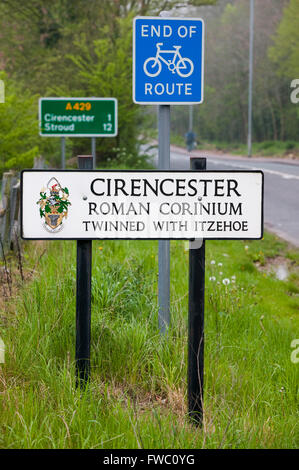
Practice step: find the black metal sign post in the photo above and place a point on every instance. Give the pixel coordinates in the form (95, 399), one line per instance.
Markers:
(196, 321)
(83, 297)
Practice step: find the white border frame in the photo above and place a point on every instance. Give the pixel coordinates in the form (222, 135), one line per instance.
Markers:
(202, 60)
(91, 98)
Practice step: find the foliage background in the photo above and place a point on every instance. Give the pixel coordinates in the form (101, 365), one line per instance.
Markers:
(61, 48)
(223, 115)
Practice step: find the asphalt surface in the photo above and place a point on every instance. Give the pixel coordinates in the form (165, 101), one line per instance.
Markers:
(281, 191)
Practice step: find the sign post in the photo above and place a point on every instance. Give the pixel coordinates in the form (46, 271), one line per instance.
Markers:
(83, 297)
(167, 69)
(93, 152)
(164, 245)
(196, 320)
(251, 38)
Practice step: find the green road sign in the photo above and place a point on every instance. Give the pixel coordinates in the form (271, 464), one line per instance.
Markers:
(78, 117)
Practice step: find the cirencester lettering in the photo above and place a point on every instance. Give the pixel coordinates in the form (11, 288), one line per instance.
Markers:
(137, 187)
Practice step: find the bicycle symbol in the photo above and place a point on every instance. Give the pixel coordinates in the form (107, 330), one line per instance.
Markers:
(182, 65)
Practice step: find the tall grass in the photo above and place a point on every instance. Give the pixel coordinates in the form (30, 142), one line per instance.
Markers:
(137, 394)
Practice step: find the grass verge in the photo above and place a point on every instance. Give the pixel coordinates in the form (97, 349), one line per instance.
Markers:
(269, 148)
(137, 396)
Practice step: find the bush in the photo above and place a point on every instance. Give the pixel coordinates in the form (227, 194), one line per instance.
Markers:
(19, 137)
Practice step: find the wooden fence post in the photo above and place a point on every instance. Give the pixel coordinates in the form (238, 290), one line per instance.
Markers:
(9, 205)
(15, 215)
(5, 210)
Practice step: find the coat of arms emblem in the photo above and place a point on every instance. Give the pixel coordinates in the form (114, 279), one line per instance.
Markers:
(53, 205)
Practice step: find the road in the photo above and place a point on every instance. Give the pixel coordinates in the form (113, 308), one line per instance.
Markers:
(281, 196)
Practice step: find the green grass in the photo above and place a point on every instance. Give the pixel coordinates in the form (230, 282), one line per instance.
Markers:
(180, 141)
(137, 395)
(268, 148)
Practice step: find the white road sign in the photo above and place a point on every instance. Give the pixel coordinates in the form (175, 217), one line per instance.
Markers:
(141, 204)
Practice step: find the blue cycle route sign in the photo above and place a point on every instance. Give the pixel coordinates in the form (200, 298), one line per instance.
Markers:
(168, 58)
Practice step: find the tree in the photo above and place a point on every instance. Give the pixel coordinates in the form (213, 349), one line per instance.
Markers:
(223, 115)
(18, 127)
(104, 68)
(37, 34)
(285, 51)
(58, 47)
